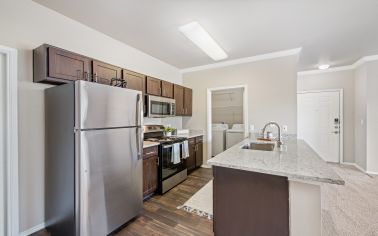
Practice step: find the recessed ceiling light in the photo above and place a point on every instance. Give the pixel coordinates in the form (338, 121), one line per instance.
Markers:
(198, 35)
(323, 67)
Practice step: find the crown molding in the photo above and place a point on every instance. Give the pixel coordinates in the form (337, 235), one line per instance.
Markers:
(243, 60)
(354, 66)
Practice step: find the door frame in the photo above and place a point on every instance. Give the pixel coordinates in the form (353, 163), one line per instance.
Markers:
(209, 113)
(11, 142)
(341, 112)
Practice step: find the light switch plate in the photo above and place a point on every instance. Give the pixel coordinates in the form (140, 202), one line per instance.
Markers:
(284, 128)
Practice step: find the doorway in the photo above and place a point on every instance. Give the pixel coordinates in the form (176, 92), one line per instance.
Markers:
(320, 122)
(227, 118)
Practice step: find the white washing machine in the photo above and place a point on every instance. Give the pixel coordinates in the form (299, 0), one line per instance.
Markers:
(234, 135)
(218, 143)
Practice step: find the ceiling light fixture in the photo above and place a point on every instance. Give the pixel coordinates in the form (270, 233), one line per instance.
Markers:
(323, 67)
(198, 35)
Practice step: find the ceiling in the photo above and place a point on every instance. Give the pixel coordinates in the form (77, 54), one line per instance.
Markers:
(336, 32)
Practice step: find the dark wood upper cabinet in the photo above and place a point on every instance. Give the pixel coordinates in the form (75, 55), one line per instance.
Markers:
(58, 66)
(188, 96)
(179, 97)
(166, 89)
(183, 97)
(103, 73)
(134, 80)
(153, 86)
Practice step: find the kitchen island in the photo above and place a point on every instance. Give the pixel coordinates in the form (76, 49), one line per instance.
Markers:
(274, 192)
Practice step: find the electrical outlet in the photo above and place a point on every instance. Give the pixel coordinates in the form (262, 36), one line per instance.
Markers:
(284, 128)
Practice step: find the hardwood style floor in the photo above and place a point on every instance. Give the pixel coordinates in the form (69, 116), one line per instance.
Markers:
(161, 217)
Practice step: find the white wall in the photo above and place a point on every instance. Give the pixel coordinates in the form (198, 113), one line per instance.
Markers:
(272, 86)
(336, 80)
(25, 25)
(227, 106)
(360, 116)
(367, 116)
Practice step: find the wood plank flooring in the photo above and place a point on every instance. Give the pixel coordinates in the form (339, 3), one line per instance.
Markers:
(161, 217)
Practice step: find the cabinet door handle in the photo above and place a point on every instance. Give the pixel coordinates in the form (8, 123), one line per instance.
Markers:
(157, 161)
(95, 77)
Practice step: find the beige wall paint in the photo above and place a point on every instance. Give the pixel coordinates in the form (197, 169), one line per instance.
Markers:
(372, 117)
(26, 25)
(366, 125)
(272, 86)
(336, 80)
(360, 116)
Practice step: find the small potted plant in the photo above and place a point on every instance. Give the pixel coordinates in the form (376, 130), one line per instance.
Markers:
(168, 131)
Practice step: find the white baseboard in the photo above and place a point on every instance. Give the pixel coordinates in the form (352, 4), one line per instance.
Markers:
(33, 229)
(206, 166)
(372, 172)
(355, 165)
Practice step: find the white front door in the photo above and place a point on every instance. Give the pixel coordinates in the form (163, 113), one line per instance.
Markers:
(319, 122)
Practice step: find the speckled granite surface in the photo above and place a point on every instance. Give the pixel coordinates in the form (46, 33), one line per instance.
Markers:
(296, 160)
(192, 134)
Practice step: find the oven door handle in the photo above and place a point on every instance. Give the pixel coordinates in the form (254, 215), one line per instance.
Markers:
(167, 146)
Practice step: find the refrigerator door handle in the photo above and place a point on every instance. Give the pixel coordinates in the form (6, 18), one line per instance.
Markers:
(139, 136)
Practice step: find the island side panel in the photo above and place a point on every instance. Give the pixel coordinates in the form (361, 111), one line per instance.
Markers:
(250, 203)
(305, 209)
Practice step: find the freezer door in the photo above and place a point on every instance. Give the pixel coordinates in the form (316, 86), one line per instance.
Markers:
(104, 106)
(110, 180)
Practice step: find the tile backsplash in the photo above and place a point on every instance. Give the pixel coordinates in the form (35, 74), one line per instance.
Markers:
(175, 122)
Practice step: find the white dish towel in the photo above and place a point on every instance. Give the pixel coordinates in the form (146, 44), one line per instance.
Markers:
(185, 149)
(175, 153)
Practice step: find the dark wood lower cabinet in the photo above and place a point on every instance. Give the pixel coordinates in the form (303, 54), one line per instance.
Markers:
(195, 159)
(199, 153)
(249, 203)
(191, 160)
(150, 171)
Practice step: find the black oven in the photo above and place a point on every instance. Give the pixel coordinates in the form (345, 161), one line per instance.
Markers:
(171, 171)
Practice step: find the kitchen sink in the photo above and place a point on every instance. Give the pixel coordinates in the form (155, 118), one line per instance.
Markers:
(259, 146)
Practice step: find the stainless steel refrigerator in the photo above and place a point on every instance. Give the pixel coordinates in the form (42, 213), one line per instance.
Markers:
(93, 169)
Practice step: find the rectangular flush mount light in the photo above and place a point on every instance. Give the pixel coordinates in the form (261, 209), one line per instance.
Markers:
(203, 40)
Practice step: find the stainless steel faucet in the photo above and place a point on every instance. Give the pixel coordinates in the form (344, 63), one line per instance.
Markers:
(279, 141)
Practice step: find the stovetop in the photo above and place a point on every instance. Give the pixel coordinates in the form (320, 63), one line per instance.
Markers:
(166, 139)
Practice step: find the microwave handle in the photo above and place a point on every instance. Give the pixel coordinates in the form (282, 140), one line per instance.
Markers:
(173, 109)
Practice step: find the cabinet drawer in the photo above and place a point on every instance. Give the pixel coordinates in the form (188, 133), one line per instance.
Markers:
(192, 140)
(199, 139)
(150, 151)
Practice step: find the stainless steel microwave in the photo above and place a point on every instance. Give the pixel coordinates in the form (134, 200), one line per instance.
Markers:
(160, 107)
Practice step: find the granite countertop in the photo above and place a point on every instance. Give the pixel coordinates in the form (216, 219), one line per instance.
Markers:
(295, 160)
(192, 134)
(147, 144)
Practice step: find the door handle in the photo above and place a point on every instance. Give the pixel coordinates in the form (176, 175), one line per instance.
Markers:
(139, 142)
(95, 77)
(139, 136)
(335, 132)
